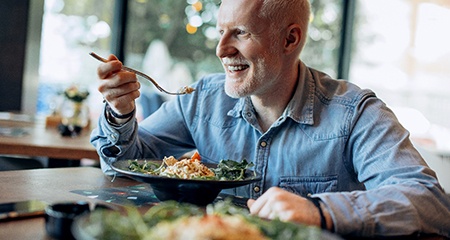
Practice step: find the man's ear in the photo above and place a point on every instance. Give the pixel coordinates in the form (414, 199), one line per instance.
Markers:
(293, 37)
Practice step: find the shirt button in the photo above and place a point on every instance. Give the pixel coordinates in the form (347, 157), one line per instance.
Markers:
(113, 137)
(256, 189)
(263, 144)
(249, 114)
(309, 195)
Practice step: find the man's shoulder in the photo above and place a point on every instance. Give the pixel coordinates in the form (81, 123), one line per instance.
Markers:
(340, 90)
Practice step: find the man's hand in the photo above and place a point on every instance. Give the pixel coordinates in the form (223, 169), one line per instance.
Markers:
(118, 87)
(287, 206)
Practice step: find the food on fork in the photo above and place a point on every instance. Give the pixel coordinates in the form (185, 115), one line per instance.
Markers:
(186, 90)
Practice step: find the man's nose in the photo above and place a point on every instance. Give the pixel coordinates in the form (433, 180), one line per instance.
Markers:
(225, 47)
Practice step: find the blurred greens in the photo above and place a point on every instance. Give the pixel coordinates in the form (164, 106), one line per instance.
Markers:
(107, 224)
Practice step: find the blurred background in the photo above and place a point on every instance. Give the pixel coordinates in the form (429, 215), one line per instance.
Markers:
(398, 48)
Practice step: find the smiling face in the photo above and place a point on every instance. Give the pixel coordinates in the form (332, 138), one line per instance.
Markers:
(250, 52)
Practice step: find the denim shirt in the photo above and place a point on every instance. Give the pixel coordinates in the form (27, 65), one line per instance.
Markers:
(334, 141)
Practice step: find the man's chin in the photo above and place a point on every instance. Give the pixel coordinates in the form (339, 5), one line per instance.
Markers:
(235, 88)
(234, 92)
(230, 90)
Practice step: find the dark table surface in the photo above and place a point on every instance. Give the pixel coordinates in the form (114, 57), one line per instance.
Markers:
(89, 184)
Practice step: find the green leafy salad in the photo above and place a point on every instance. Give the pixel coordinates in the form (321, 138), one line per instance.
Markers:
(173, 220)
(226, 170)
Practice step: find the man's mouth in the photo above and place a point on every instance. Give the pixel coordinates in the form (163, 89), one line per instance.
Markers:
(235, 68)
(235, 64)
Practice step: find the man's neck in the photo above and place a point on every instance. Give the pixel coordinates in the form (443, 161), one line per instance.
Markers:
(270, 107)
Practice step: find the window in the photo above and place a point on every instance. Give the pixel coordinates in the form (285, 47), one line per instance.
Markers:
(70, 30)
(324, 36)
(402, 53)
(173, 40)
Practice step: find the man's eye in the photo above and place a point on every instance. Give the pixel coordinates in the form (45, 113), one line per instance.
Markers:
(241, 32)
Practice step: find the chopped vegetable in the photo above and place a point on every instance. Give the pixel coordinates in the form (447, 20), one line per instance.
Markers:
(196, 156)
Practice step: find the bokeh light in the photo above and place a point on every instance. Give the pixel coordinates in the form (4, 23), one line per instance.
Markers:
(191, 29)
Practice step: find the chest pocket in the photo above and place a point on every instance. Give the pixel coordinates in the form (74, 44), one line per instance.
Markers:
(309, 185)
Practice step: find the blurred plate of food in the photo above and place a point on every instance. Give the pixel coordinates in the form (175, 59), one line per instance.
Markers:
(172, 220)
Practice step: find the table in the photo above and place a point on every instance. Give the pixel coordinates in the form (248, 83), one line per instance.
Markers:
(50, 185)
(34, 139)
(56, 185)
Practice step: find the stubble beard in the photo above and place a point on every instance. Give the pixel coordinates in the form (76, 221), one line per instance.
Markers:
(250, 84)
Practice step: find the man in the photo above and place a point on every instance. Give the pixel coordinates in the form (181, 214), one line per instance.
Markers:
(330, 154)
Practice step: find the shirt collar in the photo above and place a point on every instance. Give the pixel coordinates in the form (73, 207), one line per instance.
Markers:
(301, 106)
(239, 107)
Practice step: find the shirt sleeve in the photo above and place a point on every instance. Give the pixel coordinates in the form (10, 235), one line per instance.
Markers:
(110, 140)
(164, 133)
(402, 196)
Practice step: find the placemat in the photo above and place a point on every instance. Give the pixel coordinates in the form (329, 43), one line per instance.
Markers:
(138, 195)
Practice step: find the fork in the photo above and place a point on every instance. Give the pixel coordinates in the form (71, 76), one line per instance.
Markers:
(182, 91)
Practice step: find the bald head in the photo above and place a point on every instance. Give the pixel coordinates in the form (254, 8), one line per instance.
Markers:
(286, 12)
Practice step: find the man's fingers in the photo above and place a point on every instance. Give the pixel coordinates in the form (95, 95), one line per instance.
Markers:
(112, 57)
(122, 79)
(124, 104)
(120, 97)
(105, 70)
(250, 202)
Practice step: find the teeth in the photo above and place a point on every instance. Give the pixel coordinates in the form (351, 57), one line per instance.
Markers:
(237, 68)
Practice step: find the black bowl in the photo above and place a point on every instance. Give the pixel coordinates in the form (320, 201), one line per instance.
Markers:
(60, 216)
(195, 191)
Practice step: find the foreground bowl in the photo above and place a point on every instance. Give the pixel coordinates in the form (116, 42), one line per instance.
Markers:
(168, 217)
(195, 191)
